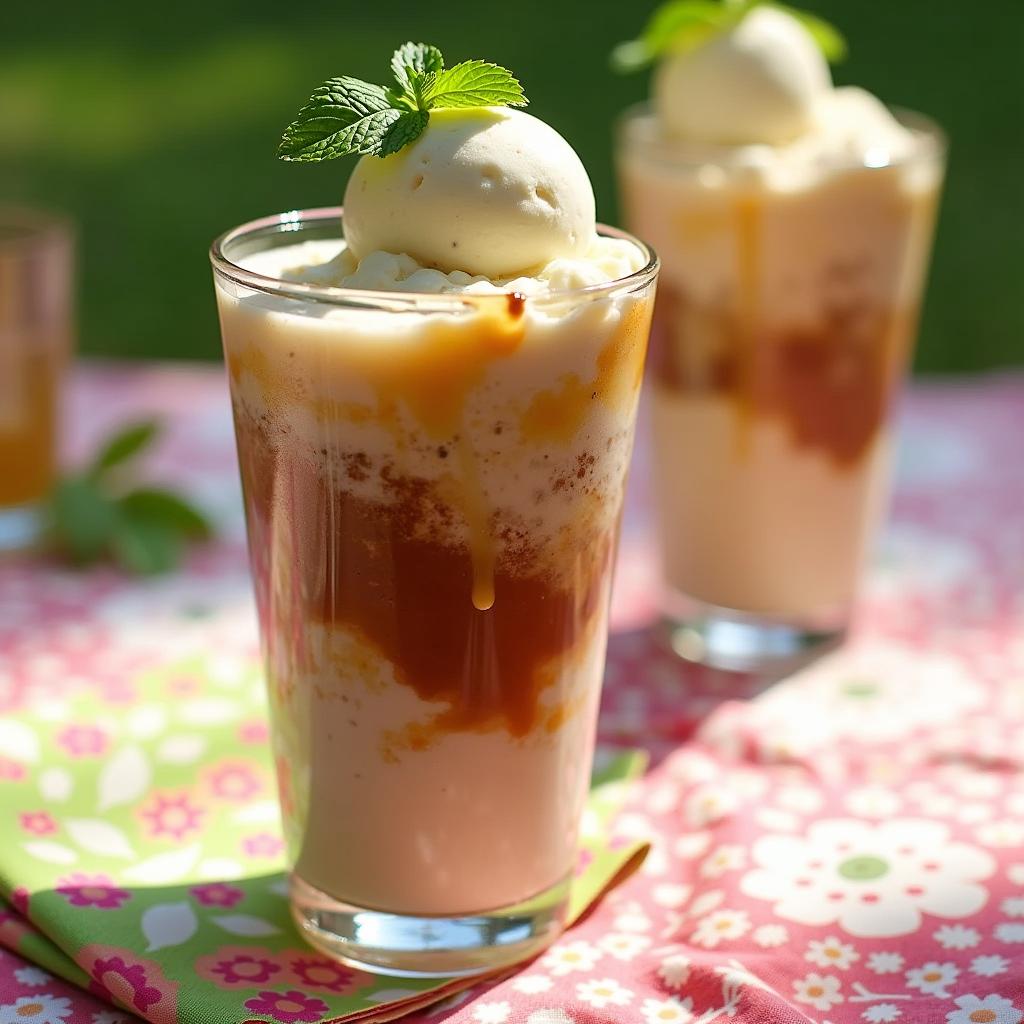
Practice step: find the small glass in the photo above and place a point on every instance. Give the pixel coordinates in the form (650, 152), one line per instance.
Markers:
(432, 487)
(785, 319)
(36, 271)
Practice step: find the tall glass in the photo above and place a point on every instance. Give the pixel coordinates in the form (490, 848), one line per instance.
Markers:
(433, 486)
(36, 256)
(786, 315)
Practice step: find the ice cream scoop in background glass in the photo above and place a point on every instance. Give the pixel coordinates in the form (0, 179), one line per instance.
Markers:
(794, 221)
(433, 463)
(36, 267)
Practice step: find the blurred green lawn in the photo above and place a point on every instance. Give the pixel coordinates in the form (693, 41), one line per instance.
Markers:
(155, 126)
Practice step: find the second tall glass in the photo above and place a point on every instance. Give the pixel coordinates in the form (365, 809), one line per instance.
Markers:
(433, 486)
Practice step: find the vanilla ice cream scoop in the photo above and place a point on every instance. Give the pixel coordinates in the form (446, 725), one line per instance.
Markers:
(489, 191)
(759, 82)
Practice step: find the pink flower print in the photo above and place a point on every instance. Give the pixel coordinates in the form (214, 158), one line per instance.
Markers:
(11, 771)
(235, 781)
(583, 861)
(263, 844)
(288, 1007)
(38, 823)
(19, 899)
(12, 929)
(83, 740)
(239, 967)
(96, 891)
(217, 894)
(254, 732)
(171, 815)
(319, 974)
(132, 982)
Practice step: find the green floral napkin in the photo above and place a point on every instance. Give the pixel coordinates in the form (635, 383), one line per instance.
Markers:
(141, 841)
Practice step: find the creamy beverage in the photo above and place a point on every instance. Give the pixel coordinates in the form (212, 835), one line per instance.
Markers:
(434, 417)
(794, 220)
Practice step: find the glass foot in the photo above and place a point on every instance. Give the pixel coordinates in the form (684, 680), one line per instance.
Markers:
(723, 638)
(20, 527)
(428, 946)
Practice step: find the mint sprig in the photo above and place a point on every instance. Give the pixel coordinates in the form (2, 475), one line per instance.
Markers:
(100, 513)
(346, 115)
(682, 25)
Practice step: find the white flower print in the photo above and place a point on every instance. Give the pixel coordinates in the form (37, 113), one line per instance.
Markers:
(822, 992)
(708, 804)
(669, 894)
(706, 902)
(1013, 906)
(632, 919)
(1009, 931)
(491, 1013)
(691, 844)
(933, 979)
(722, 859)
(802, 799)
(990, 965)
(871, 880)
(873, 802)
(956, 936)
(1001, 833)
(972, 814)
(32, 976)
(775, 820)
(549, 1016)
(624, 946)
(831, 952)
(992, 1009)
(674, 970)
(886, 963)
(667, 1011)
(36, 1009)
(767, 936)
(533, 984)
(882, 1013)
(566, 957)
(1015, 873)
(602, 993)
(719, 926)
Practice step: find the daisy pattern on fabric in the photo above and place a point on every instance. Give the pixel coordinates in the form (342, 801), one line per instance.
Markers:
(882, 1013)
(533, 984)
(602, 993)
(1013, 906)
(1009, 931)
(40, 1009)
(871, 880)
(720, 926)
(886, 963)
(957, 936)
(990, 965)
(933, 979)
(674, 970)
(491, 1013)
(768, 936)
(831, 952)
(32, 976)
(667, 1011)
(820, 991)
(722, 859)
(566, 957)
(993, 1009)
(625, 946)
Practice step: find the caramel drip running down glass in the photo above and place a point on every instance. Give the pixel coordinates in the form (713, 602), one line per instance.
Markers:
(36, 269)
(433, 485)
(785, 320)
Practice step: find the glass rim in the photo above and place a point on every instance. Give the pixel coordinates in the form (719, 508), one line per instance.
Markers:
(932, 139)
(26, 228)
(295, 220)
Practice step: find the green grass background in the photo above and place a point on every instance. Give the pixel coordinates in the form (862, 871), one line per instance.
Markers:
(154, 125)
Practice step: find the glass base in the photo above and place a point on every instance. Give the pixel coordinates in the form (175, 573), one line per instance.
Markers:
(428, 946)
(724, 638)
(20, 527)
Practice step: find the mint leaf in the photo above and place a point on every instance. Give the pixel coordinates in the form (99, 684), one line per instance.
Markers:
(84, 519)
(412, 59)
(409, 127)
(830, 40)
(156, 505)
(343, 116)
(146, 547)
(474, 83)
(123, 445)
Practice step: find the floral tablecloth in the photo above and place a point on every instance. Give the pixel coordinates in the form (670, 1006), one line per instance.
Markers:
(844, 846)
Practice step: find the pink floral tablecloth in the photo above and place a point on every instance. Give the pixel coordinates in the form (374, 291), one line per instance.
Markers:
(844, 846)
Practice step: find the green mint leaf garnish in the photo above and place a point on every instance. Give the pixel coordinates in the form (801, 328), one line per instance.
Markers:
(346, 115)
(474, 83)
(682, 25)
(96, 514)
